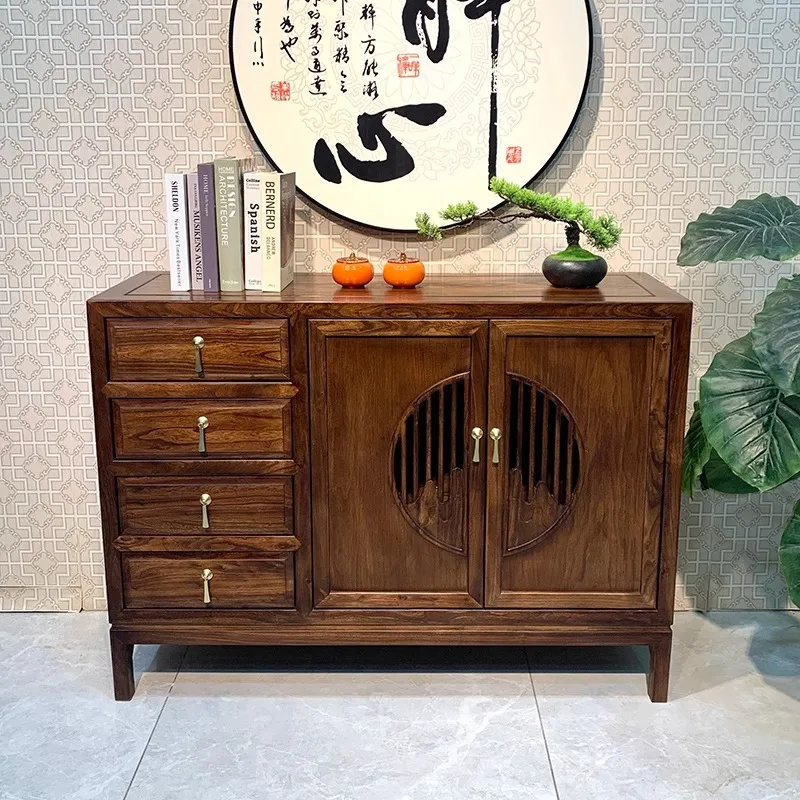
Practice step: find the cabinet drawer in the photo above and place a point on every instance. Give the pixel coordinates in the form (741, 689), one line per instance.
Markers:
(238, 580)
(165, 350)
(170, 428)
(233, 506)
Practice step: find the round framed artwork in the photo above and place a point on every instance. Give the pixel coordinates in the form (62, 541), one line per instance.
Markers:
(387, 108)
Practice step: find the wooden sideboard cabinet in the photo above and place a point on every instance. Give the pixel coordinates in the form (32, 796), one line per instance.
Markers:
(482, 460)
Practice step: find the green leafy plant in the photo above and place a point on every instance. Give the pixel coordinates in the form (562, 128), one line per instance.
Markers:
(744, 434)
(603, 232)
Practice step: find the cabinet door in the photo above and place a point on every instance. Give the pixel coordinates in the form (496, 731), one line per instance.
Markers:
(398, 500)
(574, 501)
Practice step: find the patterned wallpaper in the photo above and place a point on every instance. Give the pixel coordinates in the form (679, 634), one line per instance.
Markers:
(692, 104)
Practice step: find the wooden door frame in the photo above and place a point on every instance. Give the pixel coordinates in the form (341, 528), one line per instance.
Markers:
(319, 331)
(646, 597)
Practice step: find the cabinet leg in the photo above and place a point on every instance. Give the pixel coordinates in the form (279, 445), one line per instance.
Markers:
(658, 673)
(122, 668)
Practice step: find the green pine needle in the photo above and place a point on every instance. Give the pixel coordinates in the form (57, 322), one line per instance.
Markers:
(460, 212)
(603, 232)
(427, 228)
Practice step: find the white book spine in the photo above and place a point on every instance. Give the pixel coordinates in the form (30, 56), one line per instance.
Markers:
(271, 241)
(195, 242)
(253, 231)
(177, 214)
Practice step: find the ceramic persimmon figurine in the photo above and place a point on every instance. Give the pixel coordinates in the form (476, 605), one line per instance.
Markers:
(404, 272)
(353, 272)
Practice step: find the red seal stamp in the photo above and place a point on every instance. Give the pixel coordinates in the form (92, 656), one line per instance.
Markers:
(280, 90)
(408, 65)
(513, 155)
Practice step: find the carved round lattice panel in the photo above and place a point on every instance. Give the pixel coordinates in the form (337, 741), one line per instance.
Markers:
(428, 464)
(543, 459)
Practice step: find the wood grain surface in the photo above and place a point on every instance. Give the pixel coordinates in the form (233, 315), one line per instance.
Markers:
(163, 349)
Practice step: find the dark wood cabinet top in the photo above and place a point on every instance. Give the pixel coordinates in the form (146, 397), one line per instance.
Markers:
(449, 292)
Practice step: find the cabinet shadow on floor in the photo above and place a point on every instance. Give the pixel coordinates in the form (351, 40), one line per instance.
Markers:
(399, 670)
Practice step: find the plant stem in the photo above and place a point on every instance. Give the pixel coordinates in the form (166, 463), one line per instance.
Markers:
(573, 233)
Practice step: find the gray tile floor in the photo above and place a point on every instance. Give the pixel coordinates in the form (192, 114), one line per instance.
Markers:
(403, 724)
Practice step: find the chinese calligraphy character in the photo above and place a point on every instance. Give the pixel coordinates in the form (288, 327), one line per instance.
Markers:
(416, 16)
(258, 49)
(372, 132)
(339, 30)
(287, 44)
(316, 86)
(368, 14)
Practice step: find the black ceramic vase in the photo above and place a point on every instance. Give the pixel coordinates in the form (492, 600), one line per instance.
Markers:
(574, 267)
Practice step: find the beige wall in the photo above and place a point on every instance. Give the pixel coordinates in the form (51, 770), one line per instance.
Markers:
(692, 104)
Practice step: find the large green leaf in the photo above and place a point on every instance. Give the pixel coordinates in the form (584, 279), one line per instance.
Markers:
(766, 226)
(776, 335)
(717, 475)
(752, 424)
(789, 555)
(696, 451)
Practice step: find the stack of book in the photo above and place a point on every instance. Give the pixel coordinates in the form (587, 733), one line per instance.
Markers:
(230, 227)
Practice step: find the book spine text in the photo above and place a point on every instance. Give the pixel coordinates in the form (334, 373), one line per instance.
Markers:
(195, 241)
(177, 216)
(208, 226)
(270, 240)
(253, 225)
(228, 191)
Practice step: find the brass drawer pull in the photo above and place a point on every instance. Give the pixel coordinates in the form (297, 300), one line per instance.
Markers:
(206, 575)
(205, 502)
(202, 424)
(199, 344)
(477, 435)
(494, 435)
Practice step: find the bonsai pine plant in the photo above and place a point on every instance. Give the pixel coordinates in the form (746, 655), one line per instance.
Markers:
(744, 434)
(574, 266)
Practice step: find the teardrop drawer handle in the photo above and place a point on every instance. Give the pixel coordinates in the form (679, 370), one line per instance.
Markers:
(494, 435)
(202, 424)
(477, 435)
(199, 343)
(206, 575)
(205, 502)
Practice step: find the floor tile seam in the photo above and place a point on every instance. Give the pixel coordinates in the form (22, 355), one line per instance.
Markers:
(541, 726)
(155, 724)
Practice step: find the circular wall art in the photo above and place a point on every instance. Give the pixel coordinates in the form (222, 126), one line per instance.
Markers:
(387, 108)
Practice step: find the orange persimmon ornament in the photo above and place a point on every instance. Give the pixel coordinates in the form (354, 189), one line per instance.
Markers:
(353, 272)
(404, 273)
